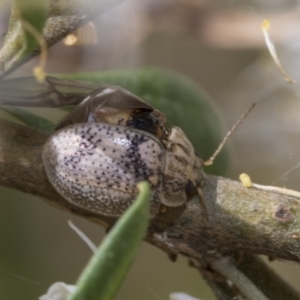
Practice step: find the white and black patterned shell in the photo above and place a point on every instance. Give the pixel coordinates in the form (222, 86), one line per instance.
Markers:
(97, 166)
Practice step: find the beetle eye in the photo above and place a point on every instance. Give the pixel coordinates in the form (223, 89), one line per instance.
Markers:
(167, 132)
(190, 189)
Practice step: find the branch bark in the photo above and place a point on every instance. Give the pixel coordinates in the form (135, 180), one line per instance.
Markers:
(241, 220)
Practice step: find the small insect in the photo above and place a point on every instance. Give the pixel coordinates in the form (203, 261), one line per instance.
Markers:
(115, 105)
(95, 102)
(97, 166)
(111, 141)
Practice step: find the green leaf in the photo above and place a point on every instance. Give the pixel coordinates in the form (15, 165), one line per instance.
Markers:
(34, 13)
(183, 102)
(29, 118)
(107, 269)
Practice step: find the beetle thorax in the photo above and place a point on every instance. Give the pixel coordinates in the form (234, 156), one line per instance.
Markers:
(183, 171)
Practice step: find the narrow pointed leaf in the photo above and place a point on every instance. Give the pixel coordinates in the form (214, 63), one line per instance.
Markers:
(107, 269)
(30, 119)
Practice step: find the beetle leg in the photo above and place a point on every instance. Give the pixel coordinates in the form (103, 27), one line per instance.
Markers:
(162, 208)
(172, 257)
(202, 202)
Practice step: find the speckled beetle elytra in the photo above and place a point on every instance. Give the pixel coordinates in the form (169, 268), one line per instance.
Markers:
(97, 166)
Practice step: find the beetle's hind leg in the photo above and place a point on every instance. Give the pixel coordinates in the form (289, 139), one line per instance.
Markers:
(202, 202)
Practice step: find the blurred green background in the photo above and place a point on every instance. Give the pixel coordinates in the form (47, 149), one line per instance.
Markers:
(219, 44)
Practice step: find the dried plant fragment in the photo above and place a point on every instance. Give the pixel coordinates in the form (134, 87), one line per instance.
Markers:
(265, 28)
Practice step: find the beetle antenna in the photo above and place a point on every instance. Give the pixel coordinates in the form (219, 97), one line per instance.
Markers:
(228, 135)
